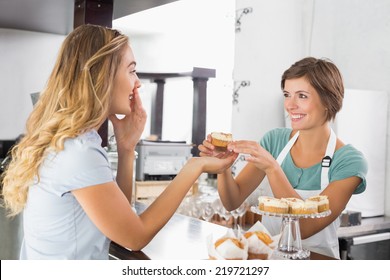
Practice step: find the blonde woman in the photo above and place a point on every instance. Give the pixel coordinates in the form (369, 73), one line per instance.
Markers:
(60, 177)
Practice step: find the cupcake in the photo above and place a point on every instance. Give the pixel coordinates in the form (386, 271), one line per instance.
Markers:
(221, 140)
(227, 247)
(260, 242)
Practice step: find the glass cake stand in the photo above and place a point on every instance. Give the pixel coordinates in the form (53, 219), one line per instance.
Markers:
(290, 243)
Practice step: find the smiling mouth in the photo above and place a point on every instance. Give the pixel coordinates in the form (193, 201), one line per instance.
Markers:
(296, 116)
(130, 97)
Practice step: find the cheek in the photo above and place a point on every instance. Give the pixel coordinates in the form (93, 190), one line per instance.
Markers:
(127, 85)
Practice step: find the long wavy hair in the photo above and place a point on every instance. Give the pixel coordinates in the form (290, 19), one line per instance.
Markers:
(75, 99)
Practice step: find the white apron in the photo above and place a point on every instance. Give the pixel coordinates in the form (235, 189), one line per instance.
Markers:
(326, 241)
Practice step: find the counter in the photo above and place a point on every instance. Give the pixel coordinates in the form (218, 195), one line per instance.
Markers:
(368, 241)
(181, 238)
(368, 226)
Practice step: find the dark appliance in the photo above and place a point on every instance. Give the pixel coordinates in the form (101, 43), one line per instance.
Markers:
(374, 246)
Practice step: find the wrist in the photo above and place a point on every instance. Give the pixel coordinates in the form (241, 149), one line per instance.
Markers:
(197, 164)
(273, 169)
(126, 153)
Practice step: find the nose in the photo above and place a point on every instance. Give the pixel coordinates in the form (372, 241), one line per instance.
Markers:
(291, 102)
(137, 83)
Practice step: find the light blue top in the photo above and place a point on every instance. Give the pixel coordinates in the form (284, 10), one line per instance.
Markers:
(55, 225)
(347, 162)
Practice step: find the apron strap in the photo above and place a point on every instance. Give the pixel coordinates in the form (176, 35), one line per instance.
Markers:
(287, 148)
(326, 161)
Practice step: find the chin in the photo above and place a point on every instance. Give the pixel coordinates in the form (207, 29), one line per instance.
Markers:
(295, 126)
(121, 111)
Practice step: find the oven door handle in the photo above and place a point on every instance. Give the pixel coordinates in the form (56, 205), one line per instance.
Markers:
(370, 238)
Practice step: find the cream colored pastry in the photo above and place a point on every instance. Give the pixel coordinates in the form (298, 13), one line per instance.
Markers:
(295, 205)
(220, 139)
(322, 202)
(261, 201)
(310, 207)
(275, 205)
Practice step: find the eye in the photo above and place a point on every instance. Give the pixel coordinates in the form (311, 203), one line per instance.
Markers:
(302, 96)
(286, 94)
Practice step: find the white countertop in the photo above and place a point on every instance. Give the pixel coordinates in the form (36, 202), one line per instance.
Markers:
(368, 225)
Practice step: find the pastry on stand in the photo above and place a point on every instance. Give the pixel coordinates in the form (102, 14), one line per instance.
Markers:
(290, 242)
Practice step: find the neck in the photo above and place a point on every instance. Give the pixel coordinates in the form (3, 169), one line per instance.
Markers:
(313, 140)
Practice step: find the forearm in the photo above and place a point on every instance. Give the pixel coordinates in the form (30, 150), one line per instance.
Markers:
(279, 183)
(124, 177)
(228, 190)
(162, 209)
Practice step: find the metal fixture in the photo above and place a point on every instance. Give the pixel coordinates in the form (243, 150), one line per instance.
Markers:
(239, 15)
(237, 88)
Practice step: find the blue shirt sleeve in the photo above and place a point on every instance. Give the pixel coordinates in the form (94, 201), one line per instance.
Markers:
(82, 163)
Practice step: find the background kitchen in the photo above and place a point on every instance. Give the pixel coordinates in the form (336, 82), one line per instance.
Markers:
(249, 43)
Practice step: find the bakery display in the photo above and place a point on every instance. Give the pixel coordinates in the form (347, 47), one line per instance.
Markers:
(220, 140)
(289, 245)
(256, 243)
(292, 205)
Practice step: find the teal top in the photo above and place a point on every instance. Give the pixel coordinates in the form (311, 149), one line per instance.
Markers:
(346, 162)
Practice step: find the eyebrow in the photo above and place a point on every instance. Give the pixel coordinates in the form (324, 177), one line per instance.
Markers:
(303, 91)
(132, 63)
(299, 91)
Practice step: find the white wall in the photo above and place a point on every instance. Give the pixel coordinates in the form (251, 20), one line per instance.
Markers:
(175, 38)
(26, 61)
(271, 37)
(355, 34)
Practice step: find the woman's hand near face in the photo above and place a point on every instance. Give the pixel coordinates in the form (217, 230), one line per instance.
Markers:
(128, 130)
(255, 154)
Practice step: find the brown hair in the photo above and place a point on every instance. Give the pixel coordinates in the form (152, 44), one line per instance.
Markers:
(325, 77)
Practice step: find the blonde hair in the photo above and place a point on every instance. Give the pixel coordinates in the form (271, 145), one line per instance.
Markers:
(76, 99)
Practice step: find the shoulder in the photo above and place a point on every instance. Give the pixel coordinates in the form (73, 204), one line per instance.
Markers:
(280, 133)
(82, 162)
(275, 140)
(89, 139)
(347, 162)
(349, 153)
(84, 148)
